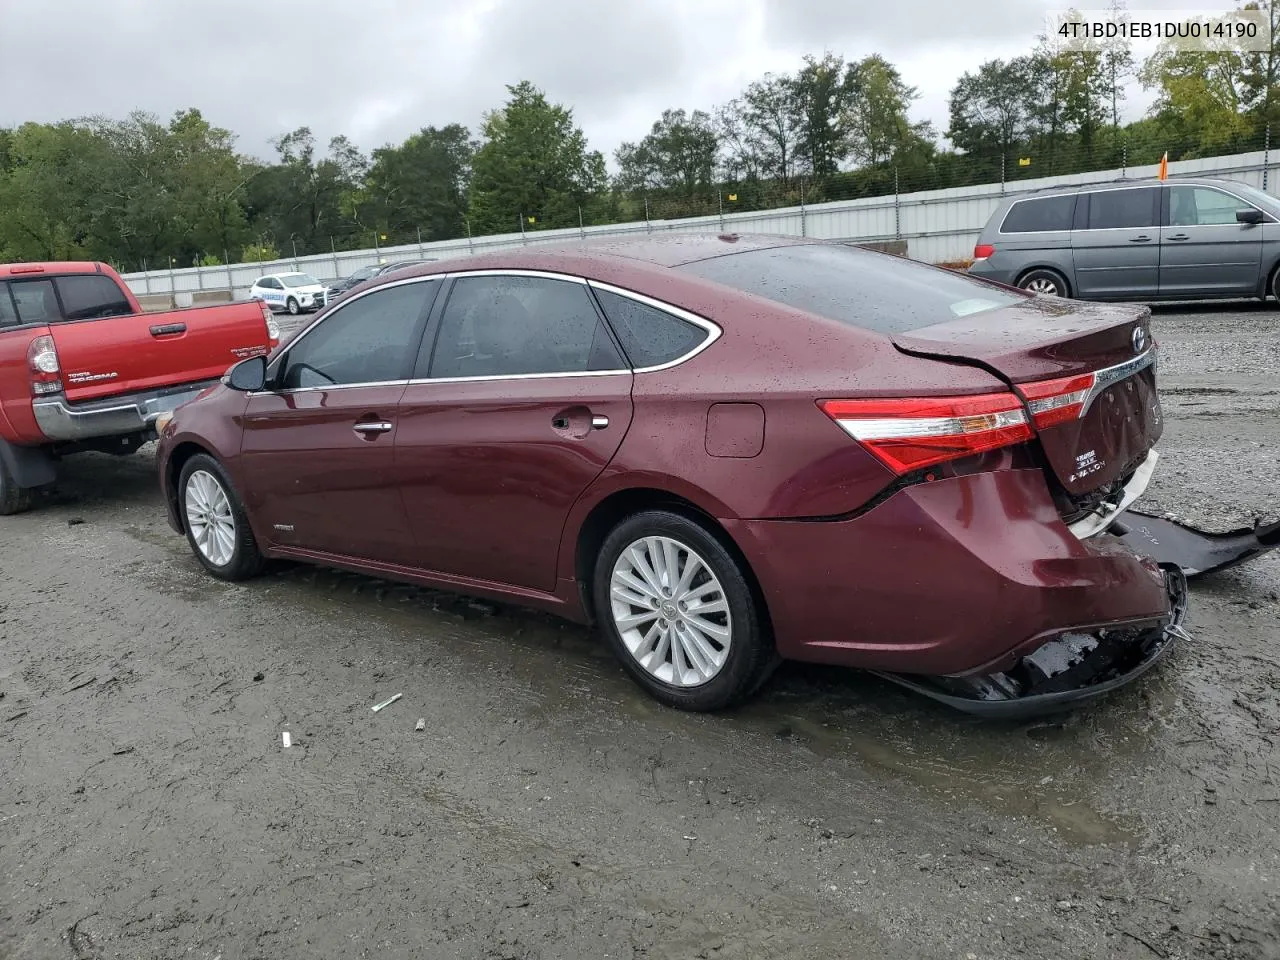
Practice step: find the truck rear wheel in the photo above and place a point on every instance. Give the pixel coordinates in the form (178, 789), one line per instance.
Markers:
(13, 499)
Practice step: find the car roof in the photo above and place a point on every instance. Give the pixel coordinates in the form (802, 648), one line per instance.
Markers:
(1067, 189)
(49, 267)
(646, 253)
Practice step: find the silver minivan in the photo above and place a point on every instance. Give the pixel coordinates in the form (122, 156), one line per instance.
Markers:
(1183, 239)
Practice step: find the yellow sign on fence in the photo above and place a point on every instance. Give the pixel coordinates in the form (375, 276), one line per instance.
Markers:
(1024, 161)
(733, 196)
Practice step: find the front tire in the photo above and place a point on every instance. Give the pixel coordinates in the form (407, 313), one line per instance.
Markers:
(1048, 283)
(214, 518)
(680, 614)
(292, 307)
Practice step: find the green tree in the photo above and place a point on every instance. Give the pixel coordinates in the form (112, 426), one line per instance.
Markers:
(1260, 72)
(876, 115)
(1201, 97)
(991, 109)
(677, 155)
(534, 162)
(821, 99)
(421, 184)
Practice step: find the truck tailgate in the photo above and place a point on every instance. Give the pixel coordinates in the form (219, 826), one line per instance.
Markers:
(127, 354)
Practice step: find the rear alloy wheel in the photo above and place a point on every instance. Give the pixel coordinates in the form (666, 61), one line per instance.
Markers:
(292, 307)
(679, 613)
(214, 518)
(13, 499)
(1044, 282)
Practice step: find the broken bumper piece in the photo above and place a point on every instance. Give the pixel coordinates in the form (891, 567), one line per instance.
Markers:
(1064, 673)
(1193, 551)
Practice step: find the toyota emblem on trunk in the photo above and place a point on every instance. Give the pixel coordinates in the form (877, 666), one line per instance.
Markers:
(1139, 339)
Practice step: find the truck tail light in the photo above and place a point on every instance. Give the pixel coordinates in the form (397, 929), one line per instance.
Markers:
(273, 329)
(908, 434)
(42, 364)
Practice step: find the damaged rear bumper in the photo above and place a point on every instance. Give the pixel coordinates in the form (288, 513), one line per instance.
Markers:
(1065, 673)
(1192, 551)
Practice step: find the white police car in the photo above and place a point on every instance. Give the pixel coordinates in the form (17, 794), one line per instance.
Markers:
(291, 292)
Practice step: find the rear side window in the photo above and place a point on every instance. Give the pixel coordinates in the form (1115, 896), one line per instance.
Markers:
(91, 297)
(873, 291)
(649, 337)
(35, 301)
(505, 326)
(8, 312)
(1122, 209)
(1042, 213)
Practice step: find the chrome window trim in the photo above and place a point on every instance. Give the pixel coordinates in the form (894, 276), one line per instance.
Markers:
(1109, 376)
(713, 330)
(516, 272)
(324, 316)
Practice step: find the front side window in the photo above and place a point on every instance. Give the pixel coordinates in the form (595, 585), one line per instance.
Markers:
(514, 325)
(1123, 209)
(91, 296)
(1040, 214)
(370, 340)
(1202, 207)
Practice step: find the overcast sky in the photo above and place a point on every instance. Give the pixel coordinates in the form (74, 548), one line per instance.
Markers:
(378, 70)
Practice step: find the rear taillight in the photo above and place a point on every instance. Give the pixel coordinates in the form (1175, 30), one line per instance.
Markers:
(1057, 401)
(982, 251)
(42, 365)
(910, 434)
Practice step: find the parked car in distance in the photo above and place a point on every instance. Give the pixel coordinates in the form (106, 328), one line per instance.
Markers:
(82, 367)
(293, 293)
(724, 451)
(340, 287)
(1136, 240)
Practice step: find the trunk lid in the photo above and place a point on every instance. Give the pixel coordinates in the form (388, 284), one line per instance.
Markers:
(1111, 350)
(135, 352)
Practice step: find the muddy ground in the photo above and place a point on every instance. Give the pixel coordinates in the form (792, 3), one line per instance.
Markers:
(550, 810)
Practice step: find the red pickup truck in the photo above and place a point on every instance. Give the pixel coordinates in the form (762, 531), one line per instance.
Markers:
(82, 367)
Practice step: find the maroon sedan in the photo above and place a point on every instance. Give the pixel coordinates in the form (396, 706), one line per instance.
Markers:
(723, 450)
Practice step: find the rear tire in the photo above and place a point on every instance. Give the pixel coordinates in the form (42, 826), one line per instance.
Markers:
(292, 307)
(214, 518)
(680, 614)
(13, 499)
(1046, 282)
(1273, 286)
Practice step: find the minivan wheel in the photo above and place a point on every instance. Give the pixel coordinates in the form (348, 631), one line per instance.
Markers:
(215, 521)
(680, 614)
(1048, 283)
(292, 307)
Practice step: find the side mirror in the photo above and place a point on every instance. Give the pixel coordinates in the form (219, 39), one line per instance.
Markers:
(248, 375)
(1249, 215)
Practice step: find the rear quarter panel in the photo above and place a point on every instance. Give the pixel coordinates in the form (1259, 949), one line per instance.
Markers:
(784, 362)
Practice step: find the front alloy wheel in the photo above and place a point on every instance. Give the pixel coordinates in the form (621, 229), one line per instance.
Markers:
(209, 517)
(215, 521)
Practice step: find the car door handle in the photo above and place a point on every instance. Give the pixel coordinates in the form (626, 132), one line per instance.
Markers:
(167, 329)
(1142, 239)
(1178, 236)
(373, 426)
(599, 422)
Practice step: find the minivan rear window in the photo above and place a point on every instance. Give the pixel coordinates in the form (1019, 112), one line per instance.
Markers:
(1042, 213)
(857, 287)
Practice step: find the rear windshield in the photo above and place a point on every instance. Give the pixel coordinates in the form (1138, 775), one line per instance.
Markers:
(863, 289)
